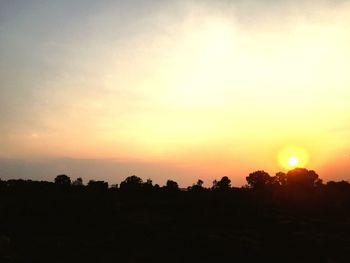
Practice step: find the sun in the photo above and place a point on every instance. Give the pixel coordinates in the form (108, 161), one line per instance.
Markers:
(293, 161)
(292, 156)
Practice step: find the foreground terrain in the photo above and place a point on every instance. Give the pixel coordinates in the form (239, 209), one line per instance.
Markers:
(52, 223)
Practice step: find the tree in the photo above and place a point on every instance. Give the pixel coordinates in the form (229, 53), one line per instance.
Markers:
(148, 185)
(2, 184)
(301, 177)
(223, 184)
(97, 185)
(78, 182)
(197, 186)
(280, 179)
(131, 183)
(171, 186)
(62, 179)
(339, 186)
(200, 183)
(258, 179)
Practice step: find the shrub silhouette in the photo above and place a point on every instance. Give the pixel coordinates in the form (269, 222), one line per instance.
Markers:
(222, 185)
(197, 186)
(63, 180)
(259, 179)
(339, 186)
(97, 185)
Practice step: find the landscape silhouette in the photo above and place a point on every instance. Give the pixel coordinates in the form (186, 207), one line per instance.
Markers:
(174, 131)
(288, 217)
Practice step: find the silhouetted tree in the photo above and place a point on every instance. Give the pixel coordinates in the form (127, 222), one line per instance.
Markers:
(97, 185)
(148, 185)
(17, 184)
(197, 186)
(62, 179)
(318, 182)
(78, 182)
(280, 179)
(199, 183)
(339, 186)
(258, 179)
(131, 183)
(215, 184)
(223, 184)
(171, 186)
(2, 185)
(301, 177)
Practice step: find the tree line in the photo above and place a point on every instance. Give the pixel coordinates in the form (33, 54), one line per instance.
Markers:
(298, 178)
(286, 217)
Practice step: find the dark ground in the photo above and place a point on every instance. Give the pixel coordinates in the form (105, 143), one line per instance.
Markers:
(59, 224)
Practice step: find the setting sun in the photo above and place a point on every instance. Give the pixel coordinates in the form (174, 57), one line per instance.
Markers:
(293, 161)
(291, 157)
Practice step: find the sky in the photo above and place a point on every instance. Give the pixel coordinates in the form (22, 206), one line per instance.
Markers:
(174, 89)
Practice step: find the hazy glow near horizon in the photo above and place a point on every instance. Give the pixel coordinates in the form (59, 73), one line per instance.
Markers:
(212, 88)
(291, 157)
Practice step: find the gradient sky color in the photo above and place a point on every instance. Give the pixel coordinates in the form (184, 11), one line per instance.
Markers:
(173, 89)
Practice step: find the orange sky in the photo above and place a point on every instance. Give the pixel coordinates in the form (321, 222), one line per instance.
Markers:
(176, 90)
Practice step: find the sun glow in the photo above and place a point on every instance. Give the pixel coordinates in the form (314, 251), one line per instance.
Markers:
(293, 161)
(292, 157)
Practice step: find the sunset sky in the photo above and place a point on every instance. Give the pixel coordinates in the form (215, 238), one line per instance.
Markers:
(174, 89)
